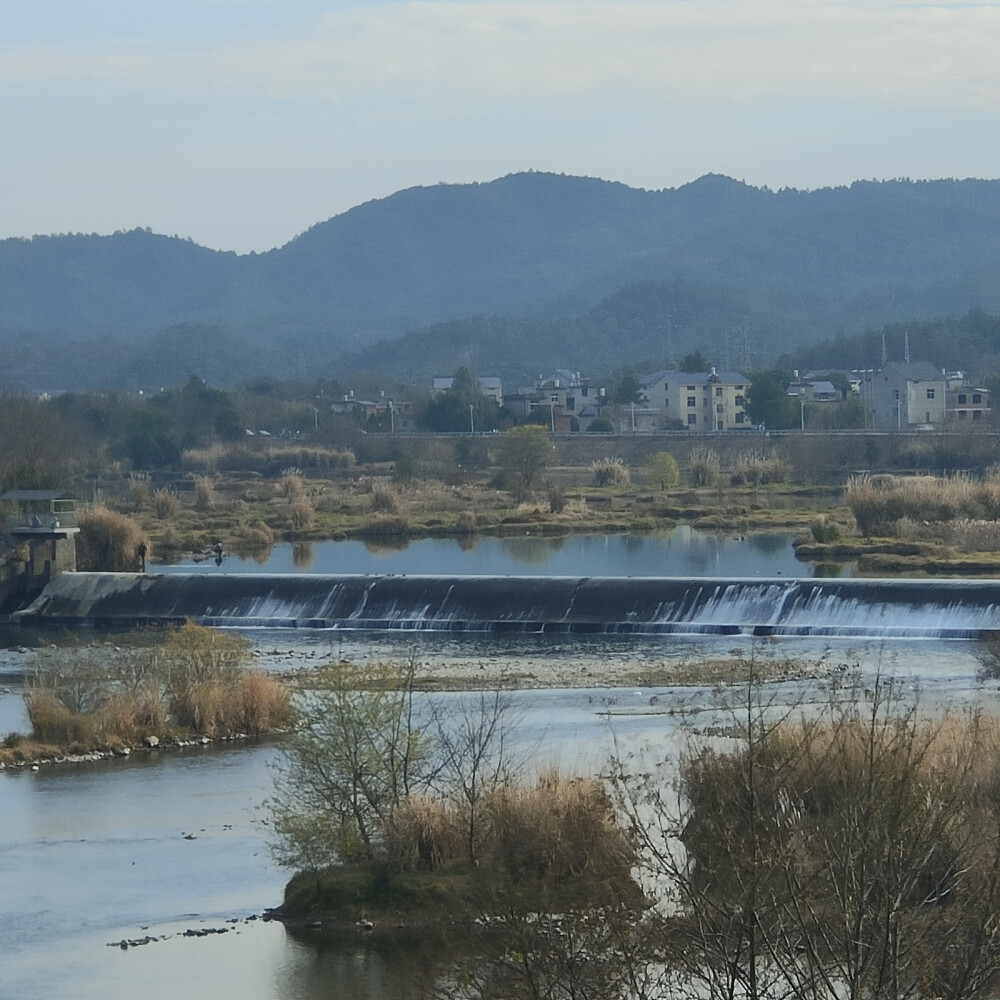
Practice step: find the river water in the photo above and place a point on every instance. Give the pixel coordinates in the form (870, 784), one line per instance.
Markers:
(682, 551)
(171, 841)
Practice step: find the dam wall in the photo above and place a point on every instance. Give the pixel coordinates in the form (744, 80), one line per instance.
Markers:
(650, 605)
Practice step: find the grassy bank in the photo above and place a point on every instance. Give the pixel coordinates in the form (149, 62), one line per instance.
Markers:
(151, 690)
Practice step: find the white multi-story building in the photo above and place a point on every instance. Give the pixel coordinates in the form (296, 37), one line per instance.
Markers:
(700, 401)
(904, 395)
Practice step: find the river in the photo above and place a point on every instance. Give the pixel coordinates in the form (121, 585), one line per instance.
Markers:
(161, 843)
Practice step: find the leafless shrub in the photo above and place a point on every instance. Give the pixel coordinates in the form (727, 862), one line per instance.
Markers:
(610, 472)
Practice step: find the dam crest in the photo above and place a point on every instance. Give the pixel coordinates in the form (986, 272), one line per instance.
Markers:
(525, 604)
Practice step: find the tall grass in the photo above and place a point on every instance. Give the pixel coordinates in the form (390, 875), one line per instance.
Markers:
(757, 468)
(704, 467)
(610, 472)
(196, 681)
(108, 541)
(879, 503)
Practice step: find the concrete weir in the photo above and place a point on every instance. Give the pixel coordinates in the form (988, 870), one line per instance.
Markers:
(931, 608)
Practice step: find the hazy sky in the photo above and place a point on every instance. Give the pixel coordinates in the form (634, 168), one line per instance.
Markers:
(240, 123)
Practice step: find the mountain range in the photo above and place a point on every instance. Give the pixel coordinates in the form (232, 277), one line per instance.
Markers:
(511, 276)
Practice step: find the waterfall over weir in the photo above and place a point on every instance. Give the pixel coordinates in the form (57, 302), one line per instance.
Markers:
(870, 608)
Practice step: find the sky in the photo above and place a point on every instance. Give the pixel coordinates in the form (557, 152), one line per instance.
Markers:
(241, 123)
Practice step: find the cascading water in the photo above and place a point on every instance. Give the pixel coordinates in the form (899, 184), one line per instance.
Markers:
(939, 608)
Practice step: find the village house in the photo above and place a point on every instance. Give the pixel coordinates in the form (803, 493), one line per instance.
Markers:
(904, 395)
(700, 401)
(964, 402)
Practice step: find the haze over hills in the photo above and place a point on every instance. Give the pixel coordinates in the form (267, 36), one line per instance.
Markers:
(515, 274)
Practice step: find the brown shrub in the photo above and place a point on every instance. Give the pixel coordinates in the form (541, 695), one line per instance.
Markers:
(52, 722)
(302, 515)
(384, 499)
(165, 505)
(109, 542)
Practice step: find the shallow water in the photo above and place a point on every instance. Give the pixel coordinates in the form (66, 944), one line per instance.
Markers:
(683, 551)
(91, 854)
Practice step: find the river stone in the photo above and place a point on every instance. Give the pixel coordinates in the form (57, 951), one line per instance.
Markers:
(152, 741)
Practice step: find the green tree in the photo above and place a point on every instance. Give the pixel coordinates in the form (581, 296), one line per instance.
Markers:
(768, 403)
(695, 362)
(625, 390)
(354, 760)
(461, 407)
(661, 468)
(522, 453)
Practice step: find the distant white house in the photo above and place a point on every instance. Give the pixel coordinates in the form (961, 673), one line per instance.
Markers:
(904, 395)
(489, 385)
(701, 401)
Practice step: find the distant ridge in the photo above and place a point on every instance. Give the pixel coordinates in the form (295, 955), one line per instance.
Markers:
(541, 251)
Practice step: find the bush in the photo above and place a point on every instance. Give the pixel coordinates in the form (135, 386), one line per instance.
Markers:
(824, 531)
(662, 469)
(303, 516)
(610, 472)
(384, 499)
(165, 505)
(109, 542)
(756, 468)
(204, 495)
(704, 467)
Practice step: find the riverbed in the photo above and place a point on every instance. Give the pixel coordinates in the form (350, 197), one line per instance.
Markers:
(172, 841)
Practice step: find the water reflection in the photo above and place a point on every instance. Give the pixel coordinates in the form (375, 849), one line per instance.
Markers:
(303, 555)
(532, 550)
(378, 968)
(683, 551)
(385, 545)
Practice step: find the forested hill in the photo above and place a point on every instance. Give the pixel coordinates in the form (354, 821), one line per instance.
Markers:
(538, 251)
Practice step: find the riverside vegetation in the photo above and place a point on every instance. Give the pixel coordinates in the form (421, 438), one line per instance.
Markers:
(152, 689)
(840, 849)
(520, 481)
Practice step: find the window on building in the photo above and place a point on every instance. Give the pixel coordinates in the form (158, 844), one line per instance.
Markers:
(554, 399)
(718, 391)
(740, 401)
(740, 388)
(976, 414)
(962, 414)
(895, 394)
(570, 403)
(962, 400)
(739, 418)
(691, 388)
(977, 398)
(930, 393)
(692, 418)
(718, 407)
(691, 401)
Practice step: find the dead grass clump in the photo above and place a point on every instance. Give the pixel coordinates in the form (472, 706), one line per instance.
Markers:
(558, 829)
(129, 718)
(610, 472)
(52, 722)
(704, 467)
(139, 490)
(302, 515)
(880, 502)
(756, 468)
(204, 495)
(255, 534)
(263, 704)
(386, 526)
(423, 835)
(165, 505)
(292, 484)
(384, 499)
(108, 541)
